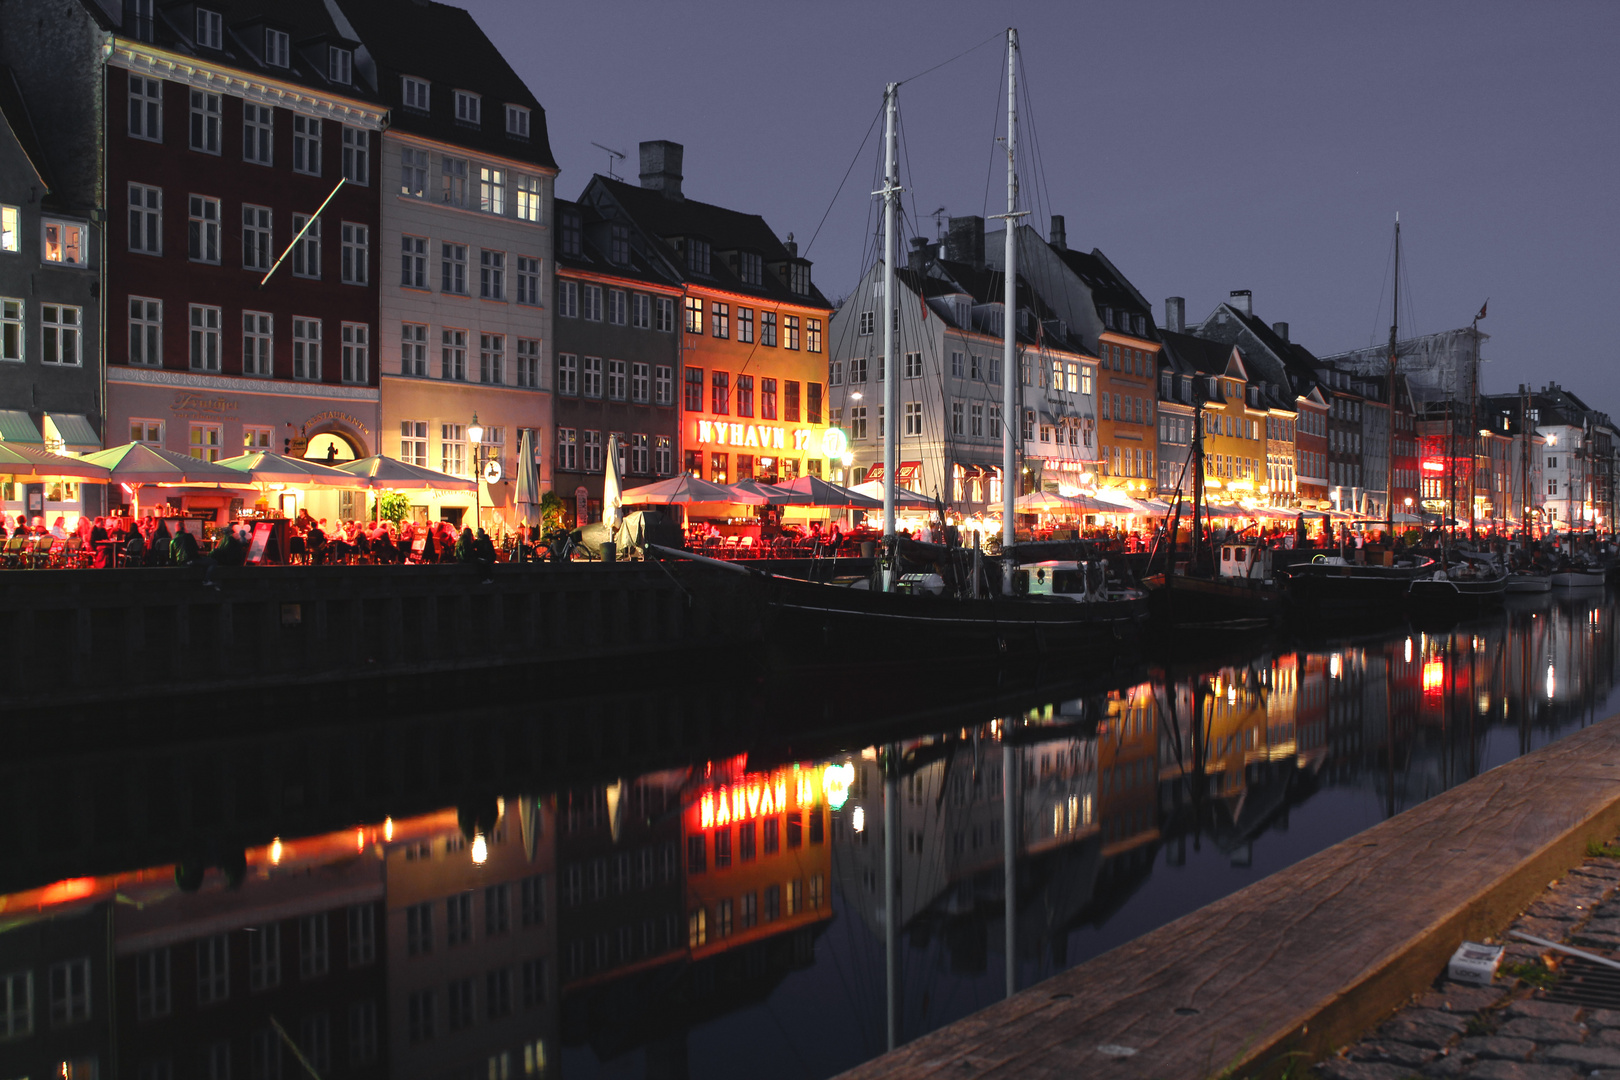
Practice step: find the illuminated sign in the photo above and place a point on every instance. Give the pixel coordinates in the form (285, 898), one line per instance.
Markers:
(762, 436)
(834, 443)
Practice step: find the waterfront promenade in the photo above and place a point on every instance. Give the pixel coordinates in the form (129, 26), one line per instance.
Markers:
(1306, 960)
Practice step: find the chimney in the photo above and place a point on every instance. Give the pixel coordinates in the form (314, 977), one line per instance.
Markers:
(1241, 299)
(964, 241)
(1057, 236)
(1175, 314)
(1280, 329)
(918, 259)
(792, 246)
(661, 167)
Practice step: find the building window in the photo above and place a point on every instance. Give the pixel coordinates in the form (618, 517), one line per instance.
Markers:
(413, 349)
(719, 468)
(307, 349)
(593, 451)
(568, 299)
(812, 403)
(257, 343)
(413, 172)
(458, 919)
(530, 196)
(617, 313)
(528, 280)
(356, 253)
(453, 268)
(812, 335)
(720, 395)
(145, 219)
(721, 316)
(469, 108)
(857, 422)
(662, 455)
(256, 240)
(492, 275)
(453, 454)
(413, 262)
(694, 315)
(213, 955)
(914, 367)
(615, 380)
(640, 383)
(204, 338)
(152, 997)
(414, 92)
(145, 108)
(339, 65)
(694, 389)
(258, 144)
(790, 331)
(419, 1016)
(491, 190)
(767, 328)
(205, 120)
(592, 305)
(567, 449)
(357, 156)
(790, 401)
(356, 352)
(528, 363)
(257, 437)
(313, 953)
(60, 334)
(767, 398)
(453, 354)
(64, 243)
(798, 275)
(913, 418)
(517, 121)
(745, 395)
(306, 253)
(491, 358)
(9, 221)
(202, 236)
(697, 257)
(413, 450)
(145, 332)
(666, 315)
(70, 992)
(277, 48)
(571, 232)
(976, 420)
(591, 377)
(567, 373)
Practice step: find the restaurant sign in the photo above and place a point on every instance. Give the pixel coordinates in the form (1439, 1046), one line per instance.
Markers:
(189, 404)
(763, 436)
(340, 417)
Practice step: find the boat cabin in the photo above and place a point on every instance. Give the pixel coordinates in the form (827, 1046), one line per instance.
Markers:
(1062, 580)
(1245, 561)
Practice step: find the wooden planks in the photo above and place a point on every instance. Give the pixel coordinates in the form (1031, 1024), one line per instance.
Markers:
(1308, 958)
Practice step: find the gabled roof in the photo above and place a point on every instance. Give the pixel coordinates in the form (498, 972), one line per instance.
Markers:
(661, 219)
(1201, 355)
(445, 46)
(15, 115)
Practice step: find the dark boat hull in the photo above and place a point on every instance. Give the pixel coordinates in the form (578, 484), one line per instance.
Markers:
(833, 621)
(1194, 603)
(1325, 590)
(1427, 595)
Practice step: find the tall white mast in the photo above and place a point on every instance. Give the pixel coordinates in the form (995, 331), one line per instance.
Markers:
(891, 376)
(1010, 420)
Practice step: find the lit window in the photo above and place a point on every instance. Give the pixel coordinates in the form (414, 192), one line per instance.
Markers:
(492, 190)
(517, 121)
(530, 195)
(9, 221)
(206, 445)
(65, 243)
(469, 107)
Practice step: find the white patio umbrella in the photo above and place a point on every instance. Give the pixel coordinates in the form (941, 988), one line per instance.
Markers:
(814, 491)
(612, 486)
(29, 463)
(903, 497)
(526, 500)
(392, 474)
(263, 467)
(685, 489)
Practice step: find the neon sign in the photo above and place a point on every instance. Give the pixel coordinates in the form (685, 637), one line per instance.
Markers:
(749, 798)
(834, 443)
(762, 436)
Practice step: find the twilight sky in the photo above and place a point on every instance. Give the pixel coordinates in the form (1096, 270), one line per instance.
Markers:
(1203, 147)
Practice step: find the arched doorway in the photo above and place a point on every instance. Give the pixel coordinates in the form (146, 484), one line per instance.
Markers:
(332, 448)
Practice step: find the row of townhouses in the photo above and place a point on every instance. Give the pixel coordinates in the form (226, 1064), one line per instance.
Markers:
(330, 228)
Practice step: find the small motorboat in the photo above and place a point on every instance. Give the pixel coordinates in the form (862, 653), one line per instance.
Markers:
(1528, 581)
(1469, 587)
(1577, 577)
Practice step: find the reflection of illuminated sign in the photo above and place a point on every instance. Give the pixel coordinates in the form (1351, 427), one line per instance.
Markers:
(835, 783)
(1430, 465)
(750, 797)
(1434, 676)
(762, 436)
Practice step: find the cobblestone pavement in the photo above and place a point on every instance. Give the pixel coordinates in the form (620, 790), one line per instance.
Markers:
(1507, 1031)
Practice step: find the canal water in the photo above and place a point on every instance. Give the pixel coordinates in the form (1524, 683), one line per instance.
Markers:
(251, 909)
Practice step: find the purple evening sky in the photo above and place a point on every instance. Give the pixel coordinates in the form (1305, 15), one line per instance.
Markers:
(1203, 146)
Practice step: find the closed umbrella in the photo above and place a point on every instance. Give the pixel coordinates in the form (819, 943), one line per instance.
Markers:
(527, 498)
(612, 486)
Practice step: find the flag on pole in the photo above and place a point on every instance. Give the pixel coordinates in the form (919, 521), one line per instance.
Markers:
(1482, 308)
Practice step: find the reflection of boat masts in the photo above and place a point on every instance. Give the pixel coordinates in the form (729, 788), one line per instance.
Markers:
(1009, 849)
(891, 889)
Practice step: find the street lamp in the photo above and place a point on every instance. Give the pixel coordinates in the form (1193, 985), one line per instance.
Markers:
(475, 436)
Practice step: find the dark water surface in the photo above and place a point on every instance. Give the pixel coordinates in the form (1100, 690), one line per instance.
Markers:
(496, 894)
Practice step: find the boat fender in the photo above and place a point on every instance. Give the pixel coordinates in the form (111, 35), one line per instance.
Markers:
(1319, 559)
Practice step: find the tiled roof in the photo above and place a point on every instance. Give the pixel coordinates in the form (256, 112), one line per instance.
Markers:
(445, 46)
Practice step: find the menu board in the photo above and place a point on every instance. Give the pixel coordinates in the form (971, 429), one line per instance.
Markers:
(262, 531)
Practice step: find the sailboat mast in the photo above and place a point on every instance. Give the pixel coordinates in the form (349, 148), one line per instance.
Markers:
(1010, 420)
(891, 375)
(1389, 391)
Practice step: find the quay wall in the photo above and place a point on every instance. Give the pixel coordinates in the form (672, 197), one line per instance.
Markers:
(77, 638)
(1282, 973)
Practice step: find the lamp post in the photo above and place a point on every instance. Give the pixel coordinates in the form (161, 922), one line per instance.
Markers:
(475, 436)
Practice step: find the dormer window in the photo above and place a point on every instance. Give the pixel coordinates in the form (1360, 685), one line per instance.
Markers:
(415, 93)
(619, 247)
(798, 278)
(697, 256)
(750, 267)
(340, 65)
(469, 108)
(210, 29)
(277, 48)
(517, 121)
(570, 237)
(138, 19)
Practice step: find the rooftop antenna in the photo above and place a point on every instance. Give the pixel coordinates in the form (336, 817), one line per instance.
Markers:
(939, 217)
(612, 156)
